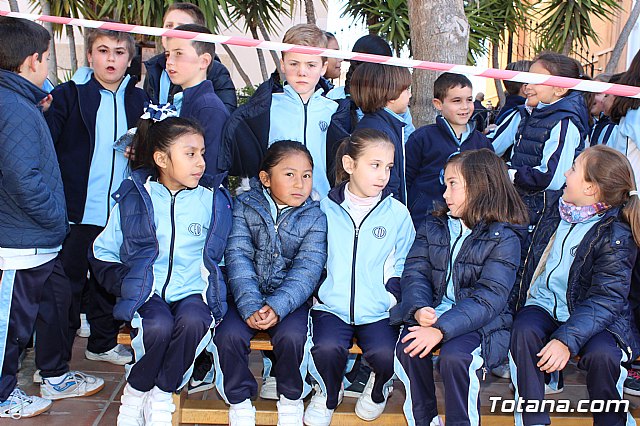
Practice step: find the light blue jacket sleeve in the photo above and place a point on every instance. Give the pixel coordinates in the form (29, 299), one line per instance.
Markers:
(504, 136)
(407, 235)
(106, 247)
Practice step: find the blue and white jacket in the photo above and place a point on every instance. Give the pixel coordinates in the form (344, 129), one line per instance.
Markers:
(627, 140)
(167, 244)
(360, 267)
(274, 257)
(603, 131)
(85, 120)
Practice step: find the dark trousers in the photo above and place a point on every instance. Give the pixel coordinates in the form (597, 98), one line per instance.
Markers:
(232, 338)
(458, 357)
(29, 299)
(332, 339)
(600, 357)
(99, 308)
(168, 339)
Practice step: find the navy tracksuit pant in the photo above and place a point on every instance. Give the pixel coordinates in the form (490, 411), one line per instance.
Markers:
(332, 339)
(600, 357)
(104, 328)
(168, 338)
(460, 367)
(231, 348)
(29, 298)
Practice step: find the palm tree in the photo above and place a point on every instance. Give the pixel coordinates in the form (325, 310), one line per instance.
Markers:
(622, 39)
(13, 6)
(564, 23)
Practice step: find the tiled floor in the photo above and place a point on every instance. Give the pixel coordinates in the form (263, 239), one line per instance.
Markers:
(102, 408)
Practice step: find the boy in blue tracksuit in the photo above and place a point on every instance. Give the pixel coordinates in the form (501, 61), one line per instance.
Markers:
(429, 147)
(157, 83)
(187, 65)
(293, 111)
(33, 225)
(87, 115)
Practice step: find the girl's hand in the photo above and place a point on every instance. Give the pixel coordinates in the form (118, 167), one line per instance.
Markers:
(45, 103)
(426, 316)
(253, 320)
(130, 153)
(424, 340)
(554, 356)
(268, 317)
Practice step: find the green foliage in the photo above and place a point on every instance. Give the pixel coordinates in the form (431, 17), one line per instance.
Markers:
(68, 8)
(387, 18)
(245, 93)
(565, 21)
(252, 12)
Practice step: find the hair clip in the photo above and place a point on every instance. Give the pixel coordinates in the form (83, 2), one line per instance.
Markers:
(159, 112)
(632, 193)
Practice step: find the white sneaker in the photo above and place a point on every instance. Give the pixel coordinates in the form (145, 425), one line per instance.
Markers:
(290, 412)
(131, 408)
(37, 378)
(242, 414)
(119, 355)
(158, 408)
(317, 413)
(20, 405)
(502, 371)
(366, 408)
(72, 384)
(85, 329)
(436, 421)
(269, 389)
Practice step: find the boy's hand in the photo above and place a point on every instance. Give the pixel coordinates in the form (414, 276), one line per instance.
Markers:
(424, 340)
(129, 153)
(554, 356)
(268, 317)
(45, 103)
(253, 320)
(426, 316)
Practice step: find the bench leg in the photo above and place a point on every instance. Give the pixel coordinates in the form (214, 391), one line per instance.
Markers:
(178, 401)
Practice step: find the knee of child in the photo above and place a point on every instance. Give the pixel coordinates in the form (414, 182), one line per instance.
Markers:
(290, 340)
(328, 350)
(193, 322)
(601, 356)
(454, 359)
(161, 327)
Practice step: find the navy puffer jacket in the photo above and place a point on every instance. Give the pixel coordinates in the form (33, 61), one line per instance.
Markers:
(132, 280)
(32, 207)
(277, 263)
(483, 274)
(599, 279)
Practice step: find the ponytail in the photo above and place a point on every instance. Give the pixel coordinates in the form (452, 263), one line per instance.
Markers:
(612, 173)
(152, 136)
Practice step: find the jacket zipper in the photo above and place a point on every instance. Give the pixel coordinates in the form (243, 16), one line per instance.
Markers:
(173, 240)
(555, 298)
(304, 129)
(356, 235)
(455, 243)
(113, 151)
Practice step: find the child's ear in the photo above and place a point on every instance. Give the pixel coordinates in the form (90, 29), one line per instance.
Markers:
(324, 66)
(592, 190)
(560, 91)
(264, 179)
(161, 159)
(206, 60)
(437, 103)
(348, 164)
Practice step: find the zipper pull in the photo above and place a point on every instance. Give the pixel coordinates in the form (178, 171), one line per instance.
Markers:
(519, 139)
(357, 232)
(484, 373)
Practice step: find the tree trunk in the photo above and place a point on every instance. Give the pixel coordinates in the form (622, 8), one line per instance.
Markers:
(274, 55)
(310, 11)
(263, 65)
(72, 49)
(495, 63)
(622, 39)
(439, 32)
(53, 61)
(13, 6)
(234, 59)
(568, 45)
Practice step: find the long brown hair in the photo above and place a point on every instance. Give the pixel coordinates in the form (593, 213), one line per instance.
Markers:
(612, 173)
(490, 195)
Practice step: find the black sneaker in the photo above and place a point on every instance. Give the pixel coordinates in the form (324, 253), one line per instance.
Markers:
(202, 365)
(358, 384)
(632, 383)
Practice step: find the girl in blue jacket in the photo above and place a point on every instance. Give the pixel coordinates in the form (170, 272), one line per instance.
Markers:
(455, 288)
(369, 236)
(276, 253)
(575, 286)
(159, 254)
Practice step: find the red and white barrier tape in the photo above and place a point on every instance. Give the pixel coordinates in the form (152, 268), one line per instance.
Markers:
(522, 77)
